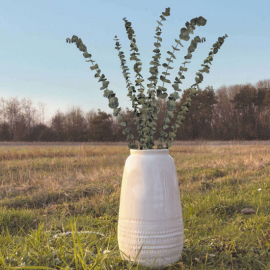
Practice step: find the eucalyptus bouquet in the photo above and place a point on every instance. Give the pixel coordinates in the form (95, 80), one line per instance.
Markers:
(147, 113)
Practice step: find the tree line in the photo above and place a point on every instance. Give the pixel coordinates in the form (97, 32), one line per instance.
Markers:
(237, 112)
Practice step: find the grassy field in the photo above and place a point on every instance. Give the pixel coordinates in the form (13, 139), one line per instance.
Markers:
(49, 190)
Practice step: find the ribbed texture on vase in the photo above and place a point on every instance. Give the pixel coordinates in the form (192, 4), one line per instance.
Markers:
(163, 244)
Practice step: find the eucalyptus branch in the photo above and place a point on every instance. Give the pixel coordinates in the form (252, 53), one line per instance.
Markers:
(171, 106)
(140, 119)
(113, 100)
(153, 104)
(146, 115)
(130, 87)
(193, 91)
(175, 96)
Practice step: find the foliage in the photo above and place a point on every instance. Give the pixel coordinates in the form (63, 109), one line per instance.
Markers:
(147, 114)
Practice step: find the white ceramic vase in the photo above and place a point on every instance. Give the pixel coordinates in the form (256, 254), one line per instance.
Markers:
(150, 214)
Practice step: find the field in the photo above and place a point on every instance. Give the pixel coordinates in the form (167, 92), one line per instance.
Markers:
(49, 189)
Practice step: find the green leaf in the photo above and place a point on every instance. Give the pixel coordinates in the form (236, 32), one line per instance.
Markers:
(162, 18)
(113, 102)
(162, 88)
(120, 116)
(176, 87)
(175, 48)
(169, 60)
(141, 101)
(154, 63)
(161, 140)
(199, 75)
(146, 129)
(178, 42)
(94, 67)
(206, 70)
(184, 34)
(130, 136)
(105, 83)
(198, 80)
(82, 47)
(164, 79)
(166, 120)
(165, 127)
(181, 117)
(153, 70)
(168, 144)
(163, 95)
(116, 111)
(171, 106)
(167, 12)
(171, 134)
(201, 21)
(170, 114)
(102, 78)
(107, 93)
(123, 124)
(171, 54)
(74, 38)
(188, 56)
(139, 80)
(175, 95)
(152, 78)
(158, 38)
(165, 73)
(193, 90)
(197, 39)
(87, 55)
(127, 130)
(183, 68)
(177, 80)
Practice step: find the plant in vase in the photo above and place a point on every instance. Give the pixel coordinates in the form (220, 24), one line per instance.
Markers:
(147, 114)
(150, 215)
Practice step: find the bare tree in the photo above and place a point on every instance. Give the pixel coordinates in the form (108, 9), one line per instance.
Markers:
(75, 124)
(42, 110)
(58, 125)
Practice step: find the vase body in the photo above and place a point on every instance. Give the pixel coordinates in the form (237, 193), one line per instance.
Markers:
(150, 212)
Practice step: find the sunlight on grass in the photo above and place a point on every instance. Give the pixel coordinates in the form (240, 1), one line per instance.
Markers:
(59, 207)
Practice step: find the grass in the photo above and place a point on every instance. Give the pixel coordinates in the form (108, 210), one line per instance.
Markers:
(49, 190)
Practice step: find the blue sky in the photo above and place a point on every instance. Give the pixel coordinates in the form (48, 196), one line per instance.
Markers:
(36, 62)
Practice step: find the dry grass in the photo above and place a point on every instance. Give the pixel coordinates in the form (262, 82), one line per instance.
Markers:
(48, 184)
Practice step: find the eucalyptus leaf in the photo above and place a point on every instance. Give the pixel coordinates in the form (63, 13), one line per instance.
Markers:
(169, 60)
(163, 95)
(113, 102)
(171, 106)
(165, 126)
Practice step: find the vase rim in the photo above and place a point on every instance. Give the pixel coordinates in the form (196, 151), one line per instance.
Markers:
(149, 151)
